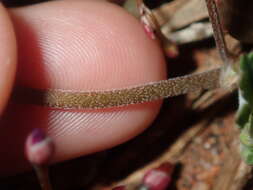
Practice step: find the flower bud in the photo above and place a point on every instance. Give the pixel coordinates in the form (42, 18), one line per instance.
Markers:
(39, 148)
(158, 178)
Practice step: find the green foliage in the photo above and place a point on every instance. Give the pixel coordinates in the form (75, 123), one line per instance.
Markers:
(245, 112)
(246, 81)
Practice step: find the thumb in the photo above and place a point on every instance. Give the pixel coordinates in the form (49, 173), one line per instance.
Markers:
(7, 57)
(79, 45)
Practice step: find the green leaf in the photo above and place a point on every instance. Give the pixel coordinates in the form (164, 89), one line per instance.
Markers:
(247, 155)
(246, 78)
(246, 135)
(243, 113)
(244, 117)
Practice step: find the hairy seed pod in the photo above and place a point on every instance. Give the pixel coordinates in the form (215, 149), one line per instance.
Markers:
(236, 17)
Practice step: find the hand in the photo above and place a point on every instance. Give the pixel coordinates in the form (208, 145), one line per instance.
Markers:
(78, 45)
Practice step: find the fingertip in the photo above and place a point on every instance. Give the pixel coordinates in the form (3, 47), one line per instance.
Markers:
(91, 45)
(87, 45)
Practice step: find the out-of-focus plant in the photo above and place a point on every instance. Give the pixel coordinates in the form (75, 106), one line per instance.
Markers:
(245, 112)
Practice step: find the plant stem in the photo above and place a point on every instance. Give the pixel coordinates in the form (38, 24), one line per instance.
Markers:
(218, 32)
(43, 176)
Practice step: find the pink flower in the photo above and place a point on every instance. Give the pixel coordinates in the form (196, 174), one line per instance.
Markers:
(39, 148)
(158, 178)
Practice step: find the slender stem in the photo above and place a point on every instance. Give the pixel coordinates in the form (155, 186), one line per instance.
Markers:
(134, 94)
(120, 97)
(43, 176)
(218, 32)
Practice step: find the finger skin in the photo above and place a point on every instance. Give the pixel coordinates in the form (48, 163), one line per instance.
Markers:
(79, 45)
(7, 57)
